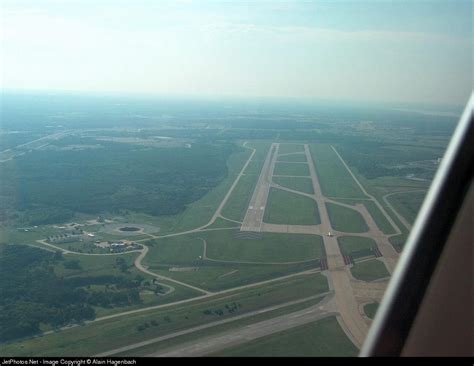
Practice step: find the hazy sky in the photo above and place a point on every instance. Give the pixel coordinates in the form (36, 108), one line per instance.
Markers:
(353, 50)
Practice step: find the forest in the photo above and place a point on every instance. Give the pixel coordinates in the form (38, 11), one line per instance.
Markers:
(50, 186)
(33, 295)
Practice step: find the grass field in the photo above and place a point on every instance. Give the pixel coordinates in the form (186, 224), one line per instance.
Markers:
(178, 250)
(296, 158)
(382, 223)
(267, 247)
(290, 148)
(237, 204)
(215, 276)
(407, 204)
(92, 266)
(298, 184)
(15, 236)
(345, 219)
(356, 246)
(254, 167)
(222, 223)
(334, 178)
(369, 270)
(261, 149)
(290, 209)
(104, 335)
(398, 241)
(218, 329)
(322, 338)
(297, 169)
(371, 309)
(200, 212)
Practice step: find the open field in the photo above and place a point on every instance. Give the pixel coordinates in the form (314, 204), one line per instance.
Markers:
(115, 332)
(292, 169)
(371, 309)
(214, 276)
(261, 149)
(298, 184)
(382, 223)
(322, 338)
(407, 204)
(238, 202)
(294, 158)
(233, 245)
(346, 220)
(290, 148)
(228, 326)
(290, 209)
(180, 250)
(200, 212)
(356, 246)
(254, 167)
(90, 266)
(334, 178)
(369, 270)
(222, 223)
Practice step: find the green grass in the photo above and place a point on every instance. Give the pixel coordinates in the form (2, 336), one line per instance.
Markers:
(379, 218)
(297, 158)
(92, 266)
(233, 245)
(381, 221)
(322, 338)
(407, 204)
(177, 250)
(369, 270)
(345, 219)
(104, 335)
(10, 235)
(290, 148)
(290, 209)
(398, 241)
(222, 223)
(371, 309)
(298, 184)
(334, 178)
(356, 246)
(238, 202)
(216, 330)
(216, 277)
(254, 167)
(200, 212)
(261, 148)
(296, 169)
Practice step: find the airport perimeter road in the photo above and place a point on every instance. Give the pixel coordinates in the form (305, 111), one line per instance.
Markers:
(254, 216)
(325, 302)
(244, 334)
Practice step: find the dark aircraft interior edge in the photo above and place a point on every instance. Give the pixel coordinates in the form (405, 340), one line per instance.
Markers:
(427, 307)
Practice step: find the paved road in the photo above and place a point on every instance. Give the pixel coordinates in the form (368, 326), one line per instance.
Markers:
(387, 216)
(254, 216)
(205, 326)
(356, 327)
(244, 334)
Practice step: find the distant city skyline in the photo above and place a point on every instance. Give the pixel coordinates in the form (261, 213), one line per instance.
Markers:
(405, 51)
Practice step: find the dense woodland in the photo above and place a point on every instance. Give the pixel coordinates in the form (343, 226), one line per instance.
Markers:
(32, 294)
(49, 186)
